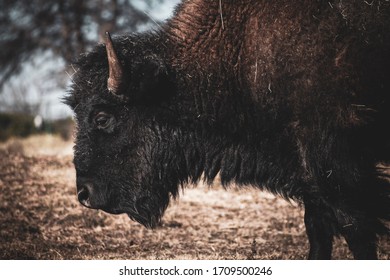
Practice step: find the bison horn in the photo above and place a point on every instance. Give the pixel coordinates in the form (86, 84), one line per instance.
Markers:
(115, 69)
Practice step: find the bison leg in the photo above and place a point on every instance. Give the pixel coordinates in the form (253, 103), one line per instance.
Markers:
(318, 229)
(361, 241)
(366, 213)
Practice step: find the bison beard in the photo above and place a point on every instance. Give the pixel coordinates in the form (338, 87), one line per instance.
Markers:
(290, 97)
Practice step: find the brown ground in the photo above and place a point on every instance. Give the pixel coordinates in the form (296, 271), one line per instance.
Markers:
(40, 218)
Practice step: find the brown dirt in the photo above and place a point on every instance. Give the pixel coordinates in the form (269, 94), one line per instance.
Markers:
(40, 218)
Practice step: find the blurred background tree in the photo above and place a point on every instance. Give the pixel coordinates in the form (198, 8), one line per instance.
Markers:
(40, 39)
(64, 27)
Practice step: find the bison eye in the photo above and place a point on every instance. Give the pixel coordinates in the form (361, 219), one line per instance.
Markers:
(104, 121)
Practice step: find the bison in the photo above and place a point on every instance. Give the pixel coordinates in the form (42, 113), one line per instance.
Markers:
(291, 97)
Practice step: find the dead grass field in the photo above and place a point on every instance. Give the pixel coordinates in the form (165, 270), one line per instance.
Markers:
(40, 217)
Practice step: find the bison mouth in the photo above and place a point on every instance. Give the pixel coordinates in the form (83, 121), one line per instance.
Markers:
(139, 214)
(146, 210)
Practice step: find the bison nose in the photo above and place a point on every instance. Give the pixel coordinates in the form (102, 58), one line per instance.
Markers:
(83, 194)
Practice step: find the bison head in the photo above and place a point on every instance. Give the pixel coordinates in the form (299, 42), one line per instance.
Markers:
(125, 150)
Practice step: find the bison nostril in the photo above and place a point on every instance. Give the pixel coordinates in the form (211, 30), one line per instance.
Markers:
(83, 195)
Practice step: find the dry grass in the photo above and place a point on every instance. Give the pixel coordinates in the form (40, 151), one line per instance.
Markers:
(39, 145)
(40, 218)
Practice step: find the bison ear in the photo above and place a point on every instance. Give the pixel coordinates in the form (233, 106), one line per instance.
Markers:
(150, 81)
